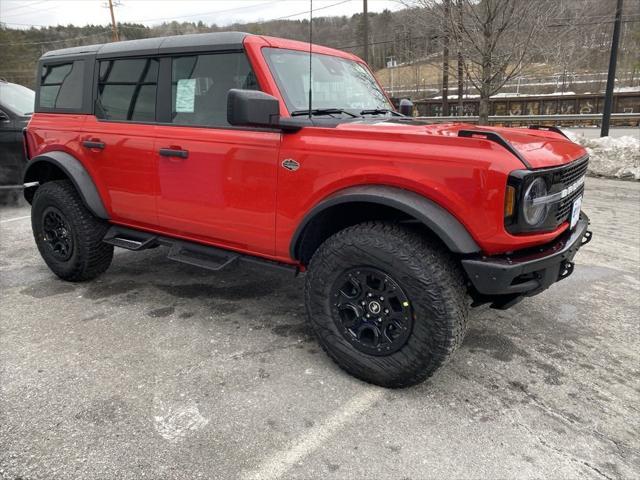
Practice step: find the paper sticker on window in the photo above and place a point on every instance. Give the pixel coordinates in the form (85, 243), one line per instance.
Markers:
(185, 95)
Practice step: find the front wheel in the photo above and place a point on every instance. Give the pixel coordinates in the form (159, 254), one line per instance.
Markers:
(67, 234)
(386, 304)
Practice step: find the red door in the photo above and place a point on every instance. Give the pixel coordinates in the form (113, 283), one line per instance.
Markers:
(120, 145)
(123, 157)
(218, 185)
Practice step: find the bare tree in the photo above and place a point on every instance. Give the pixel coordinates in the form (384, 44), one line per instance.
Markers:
(446, 36)
(495, 38)
(459, 17)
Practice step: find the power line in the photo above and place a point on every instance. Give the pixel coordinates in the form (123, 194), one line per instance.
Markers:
(31, 12)
(306, 12)
(25, 24)
(593, 17)
(57, 41)
(150, 28)
(209, 13)
(589, 23)
(164, 18)
(19, 7)
(422, 37)
(202, 14)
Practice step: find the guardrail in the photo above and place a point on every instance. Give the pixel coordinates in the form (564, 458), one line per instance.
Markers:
(588, 117)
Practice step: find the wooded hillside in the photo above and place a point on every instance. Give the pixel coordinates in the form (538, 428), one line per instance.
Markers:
(577, 40)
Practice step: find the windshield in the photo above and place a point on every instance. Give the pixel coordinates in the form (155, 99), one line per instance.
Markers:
(338, 83)
(18, 99)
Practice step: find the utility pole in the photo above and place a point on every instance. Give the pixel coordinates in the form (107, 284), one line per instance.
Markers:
(611, 78)
(445, 60)
(114, 26)
(391, 63)
(365, 30)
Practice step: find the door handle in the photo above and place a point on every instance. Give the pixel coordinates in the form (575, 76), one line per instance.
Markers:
(93, 144)
(174, 152)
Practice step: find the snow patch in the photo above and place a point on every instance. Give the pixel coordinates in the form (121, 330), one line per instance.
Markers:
(627, 89)
(611, 157)
(177, 420)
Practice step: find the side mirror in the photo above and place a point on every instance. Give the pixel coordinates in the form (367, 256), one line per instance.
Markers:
(406, 107)
(252, 108)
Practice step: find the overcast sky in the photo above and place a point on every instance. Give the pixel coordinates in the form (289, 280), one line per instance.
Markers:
(25, 13)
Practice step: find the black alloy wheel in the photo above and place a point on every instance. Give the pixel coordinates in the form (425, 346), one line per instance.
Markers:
(388, 304)
(68, 236)
(57, 234)
(372, 311)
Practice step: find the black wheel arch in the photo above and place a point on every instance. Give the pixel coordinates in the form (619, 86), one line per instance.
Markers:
(57, 165)
(370, 202)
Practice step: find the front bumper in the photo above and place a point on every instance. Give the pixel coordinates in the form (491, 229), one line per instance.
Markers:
(505, 279)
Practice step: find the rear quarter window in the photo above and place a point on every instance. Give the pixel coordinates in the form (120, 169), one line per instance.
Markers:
(127, 89)
(61, 86)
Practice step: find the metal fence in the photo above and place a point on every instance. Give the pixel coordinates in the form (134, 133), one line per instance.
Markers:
(632, 118)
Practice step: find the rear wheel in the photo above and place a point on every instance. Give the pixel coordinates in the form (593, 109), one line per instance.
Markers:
(388, 306)
(67, 234)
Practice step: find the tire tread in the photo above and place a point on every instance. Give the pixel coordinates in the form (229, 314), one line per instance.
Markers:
(435, 271)
(93, 255)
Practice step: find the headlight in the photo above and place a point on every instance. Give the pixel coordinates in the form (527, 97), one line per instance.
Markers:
(537, 201)
(535, 213)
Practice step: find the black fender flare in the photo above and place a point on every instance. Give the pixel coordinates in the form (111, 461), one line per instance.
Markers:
(76, 172)
(442, 223)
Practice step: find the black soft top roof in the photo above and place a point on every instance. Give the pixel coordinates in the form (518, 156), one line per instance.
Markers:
(154, 46)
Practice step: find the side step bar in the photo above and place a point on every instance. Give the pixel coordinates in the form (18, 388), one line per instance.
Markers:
(195, 254)
(130, 239)
(202, 256)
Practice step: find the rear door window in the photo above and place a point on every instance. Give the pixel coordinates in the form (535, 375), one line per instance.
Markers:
(127, 89)
(200, 84)
(61, 86)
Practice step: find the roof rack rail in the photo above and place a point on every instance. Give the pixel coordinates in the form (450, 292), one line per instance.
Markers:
(497, 138)
(549, 128)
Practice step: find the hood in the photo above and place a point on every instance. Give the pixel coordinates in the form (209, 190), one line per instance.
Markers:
(538, 148)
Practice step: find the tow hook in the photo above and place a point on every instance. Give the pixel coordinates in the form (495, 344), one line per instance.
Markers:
(566, 269)
(588, 235)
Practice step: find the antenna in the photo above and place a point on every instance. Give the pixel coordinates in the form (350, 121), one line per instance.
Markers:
(310, 50)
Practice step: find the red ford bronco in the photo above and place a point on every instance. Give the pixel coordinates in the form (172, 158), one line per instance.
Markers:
(213, 146)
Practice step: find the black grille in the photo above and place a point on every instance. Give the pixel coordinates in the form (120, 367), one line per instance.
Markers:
(564, 207)
(568, 176)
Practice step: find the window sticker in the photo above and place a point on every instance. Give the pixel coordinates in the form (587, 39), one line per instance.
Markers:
(185, 95)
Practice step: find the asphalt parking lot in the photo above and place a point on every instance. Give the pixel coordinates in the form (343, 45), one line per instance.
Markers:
(163, 371)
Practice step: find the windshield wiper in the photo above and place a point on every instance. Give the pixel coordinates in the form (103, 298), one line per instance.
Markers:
(322, 111)
(379, 111)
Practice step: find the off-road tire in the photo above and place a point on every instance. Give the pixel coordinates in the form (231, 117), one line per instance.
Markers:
(428, 274)
(90, 256)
